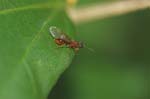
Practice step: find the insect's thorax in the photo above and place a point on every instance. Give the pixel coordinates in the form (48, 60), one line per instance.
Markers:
(74, 44)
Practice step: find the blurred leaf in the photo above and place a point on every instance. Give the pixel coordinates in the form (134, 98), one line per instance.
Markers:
(30, 62)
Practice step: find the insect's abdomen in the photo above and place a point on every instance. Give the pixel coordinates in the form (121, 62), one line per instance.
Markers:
(59, 42)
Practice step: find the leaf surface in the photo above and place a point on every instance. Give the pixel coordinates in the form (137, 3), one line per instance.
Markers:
(30, 61)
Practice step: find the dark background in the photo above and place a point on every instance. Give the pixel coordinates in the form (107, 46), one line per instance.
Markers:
(119, 66)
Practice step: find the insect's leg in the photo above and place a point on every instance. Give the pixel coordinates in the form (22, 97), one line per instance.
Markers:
(61, 46)
(76, 50)
(67, 46)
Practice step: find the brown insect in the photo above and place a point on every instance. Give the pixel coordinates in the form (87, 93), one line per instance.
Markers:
(62, 39)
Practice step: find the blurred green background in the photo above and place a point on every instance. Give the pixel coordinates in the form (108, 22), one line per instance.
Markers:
(119, 66)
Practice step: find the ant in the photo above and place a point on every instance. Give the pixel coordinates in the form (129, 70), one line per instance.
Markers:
(62, 39)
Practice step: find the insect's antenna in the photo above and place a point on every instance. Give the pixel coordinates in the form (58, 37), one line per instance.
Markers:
(90, 49)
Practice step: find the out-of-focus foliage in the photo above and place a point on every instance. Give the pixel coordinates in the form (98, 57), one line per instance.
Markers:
(119, 66)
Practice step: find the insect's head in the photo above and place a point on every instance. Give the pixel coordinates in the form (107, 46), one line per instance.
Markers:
(81, 45)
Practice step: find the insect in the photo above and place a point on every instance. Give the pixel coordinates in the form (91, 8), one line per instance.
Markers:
(61, 38)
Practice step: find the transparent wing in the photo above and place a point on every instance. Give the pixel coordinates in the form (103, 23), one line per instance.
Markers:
(58, 34)
(55, 32)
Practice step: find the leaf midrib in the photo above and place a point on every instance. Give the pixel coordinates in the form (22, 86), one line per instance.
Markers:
(47, 5)
(33, 79)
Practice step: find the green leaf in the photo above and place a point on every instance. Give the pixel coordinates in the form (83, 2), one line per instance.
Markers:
(30, 61)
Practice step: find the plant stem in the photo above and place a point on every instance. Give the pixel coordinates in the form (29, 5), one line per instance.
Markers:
(100, 11)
